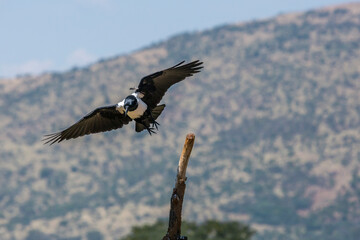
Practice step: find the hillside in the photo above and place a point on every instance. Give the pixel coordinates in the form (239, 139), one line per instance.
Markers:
(276, 113)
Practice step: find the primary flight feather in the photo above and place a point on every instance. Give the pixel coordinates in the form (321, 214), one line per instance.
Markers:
(141, 106)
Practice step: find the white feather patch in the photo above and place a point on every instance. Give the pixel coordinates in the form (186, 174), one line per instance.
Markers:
(138, 112)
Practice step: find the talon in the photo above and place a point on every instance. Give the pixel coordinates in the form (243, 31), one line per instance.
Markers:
(155, 124)
(151, 130)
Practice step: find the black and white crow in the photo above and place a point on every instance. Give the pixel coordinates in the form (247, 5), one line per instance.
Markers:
(141, 106)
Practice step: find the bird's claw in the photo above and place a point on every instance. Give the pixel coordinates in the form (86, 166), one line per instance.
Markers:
(151, 130)
(155, 124)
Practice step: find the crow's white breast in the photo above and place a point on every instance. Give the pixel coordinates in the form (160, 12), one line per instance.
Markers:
(138, 112)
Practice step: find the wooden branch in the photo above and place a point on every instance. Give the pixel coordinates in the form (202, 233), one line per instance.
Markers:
(177, 197)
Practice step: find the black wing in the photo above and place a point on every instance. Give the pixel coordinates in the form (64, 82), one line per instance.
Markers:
(100, 120)
(155, 85)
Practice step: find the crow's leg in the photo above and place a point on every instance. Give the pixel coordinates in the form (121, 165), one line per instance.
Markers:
(150, 130)
(152, 120)
(147, 127)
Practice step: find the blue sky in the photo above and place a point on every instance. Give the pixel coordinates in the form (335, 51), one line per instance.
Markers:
(49, 35)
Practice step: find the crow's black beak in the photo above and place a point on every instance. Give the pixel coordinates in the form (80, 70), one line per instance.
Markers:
(126, 110)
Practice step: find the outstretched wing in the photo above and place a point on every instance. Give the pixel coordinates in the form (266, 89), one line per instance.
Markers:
(155, 85)
(100, 120)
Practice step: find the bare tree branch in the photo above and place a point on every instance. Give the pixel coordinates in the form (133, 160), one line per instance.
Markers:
(177, 197)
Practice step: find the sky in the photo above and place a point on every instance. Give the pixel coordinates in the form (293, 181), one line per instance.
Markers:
(46, 35)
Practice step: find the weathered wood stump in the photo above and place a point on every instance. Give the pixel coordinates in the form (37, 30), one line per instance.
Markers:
(177, 197)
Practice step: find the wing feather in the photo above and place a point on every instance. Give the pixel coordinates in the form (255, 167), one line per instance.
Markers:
(100, 120)
(155, 85)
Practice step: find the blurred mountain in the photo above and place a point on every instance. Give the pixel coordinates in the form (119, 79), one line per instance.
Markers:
(276, 113)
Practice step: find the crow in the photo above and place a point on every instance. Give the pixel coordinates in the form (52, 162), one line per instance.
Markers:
(141, 106)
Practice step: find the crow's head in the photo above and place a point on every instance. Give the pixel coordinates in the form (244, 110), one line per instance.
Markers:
(130, 103)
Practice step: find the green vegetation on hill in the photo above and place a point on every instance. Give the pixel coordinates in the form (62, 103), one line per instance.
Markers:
(208, 230)
(276, 113)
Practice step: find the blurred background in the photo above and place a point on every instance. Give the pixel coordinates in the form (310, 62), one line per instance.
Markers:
(275, 111)
(40, 36)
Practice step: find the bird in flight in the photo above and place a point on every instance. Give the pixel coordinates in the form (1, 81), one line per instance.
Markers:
(141, 106)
